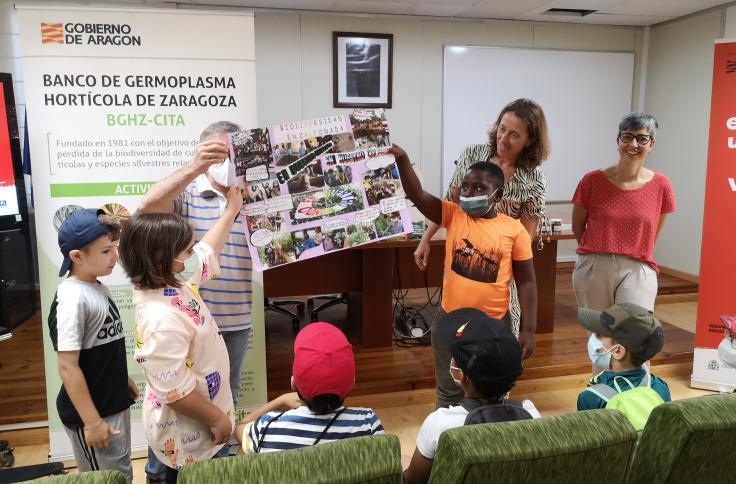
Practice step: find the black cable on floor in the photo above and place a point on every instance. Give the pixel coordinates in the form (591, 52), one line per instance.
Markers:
(410, 327)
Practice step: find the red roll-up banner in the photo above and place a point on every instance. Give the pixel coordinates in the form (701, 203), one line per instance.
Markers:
(714, 365)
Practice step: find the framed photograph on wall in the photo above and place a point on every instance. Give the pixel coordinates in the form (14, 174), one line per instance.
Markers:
(362, 70)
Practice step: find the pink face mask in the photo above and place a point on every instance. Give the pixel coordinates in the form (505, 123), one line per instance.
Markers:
(727, 348)
(729, 321)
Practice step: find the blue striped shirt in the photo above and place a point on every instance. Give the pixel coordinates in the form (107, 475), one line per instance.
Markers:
(229, 296)
(301, 428)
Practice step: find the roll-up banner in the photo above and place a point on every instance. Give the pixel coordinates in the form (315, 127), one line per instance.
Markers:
(714, 365)
(116, 100)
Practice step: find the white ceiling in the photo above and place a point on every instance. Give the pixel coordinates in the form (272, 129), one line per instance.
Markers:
(610, 12)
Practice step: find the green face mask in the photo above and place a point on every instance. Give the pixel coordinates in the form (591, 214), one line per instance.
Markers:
(477, 206)
(191, 264)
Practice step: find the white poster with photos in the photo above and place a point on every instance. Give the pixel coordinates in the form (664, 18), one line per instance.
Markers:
(317, 186)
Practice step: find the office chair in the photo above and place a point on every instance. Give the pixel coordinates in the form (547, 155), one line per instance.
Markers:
(331, 300)
(277, 306)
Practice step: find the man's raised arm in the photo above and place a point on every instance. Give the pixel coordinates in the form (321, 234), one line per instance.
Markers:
(160, 198)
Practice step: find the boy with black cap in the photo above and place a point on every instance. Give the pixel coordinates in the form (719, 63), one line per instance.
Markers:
(485, 362)
(86, 331)
(323, 374)
(626, 336)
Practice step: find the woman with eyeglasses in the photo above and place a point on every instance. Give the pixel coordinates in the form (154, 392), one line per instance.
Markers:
(618, 213)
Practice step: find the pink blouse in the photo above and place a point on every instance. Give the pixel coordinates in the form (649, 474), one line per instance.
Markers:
(622, 222)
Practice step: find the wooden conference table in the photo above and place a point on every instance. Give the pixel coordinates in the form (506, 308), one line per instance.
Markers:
(369, 273)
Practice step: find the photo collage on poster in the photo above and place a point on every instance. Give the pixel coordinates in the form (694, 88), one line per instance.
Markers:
(316, 186)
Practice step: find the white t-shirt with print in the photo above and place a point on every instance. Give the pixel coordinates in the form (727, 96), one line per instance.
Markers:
(180, 349)
(448, 418)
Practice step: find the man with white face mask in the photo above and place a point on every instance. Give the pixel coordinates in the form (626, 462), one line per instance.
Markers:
(198, 193)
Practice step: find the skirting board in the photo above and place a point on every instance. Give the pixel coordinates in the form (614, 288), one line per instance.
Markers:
(680, 274)
(24, 425)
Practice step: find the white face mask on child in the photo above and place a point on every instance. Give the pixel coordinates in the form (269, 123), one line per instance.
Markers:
(599, 359)
(457, 382)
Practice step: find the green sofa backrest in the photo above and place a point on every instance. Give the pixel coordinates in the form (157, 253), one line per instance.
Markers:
(580, 447)
(690, 441)
(94, 477)
(375, 459)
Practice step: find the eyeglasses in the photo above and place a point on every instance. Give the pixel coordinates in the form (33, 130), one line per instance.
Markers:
(642, 139)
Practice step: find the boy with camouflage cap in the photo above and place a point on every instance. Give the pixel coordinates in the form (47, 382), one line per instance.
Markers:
(627, 336)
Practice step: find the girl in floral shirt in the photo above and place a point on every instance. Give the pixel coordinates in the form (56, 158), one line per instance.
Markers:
(188, 408)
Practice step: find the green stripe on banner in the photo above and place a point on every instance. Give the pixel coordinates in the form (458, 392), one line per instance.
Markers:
(99, 189)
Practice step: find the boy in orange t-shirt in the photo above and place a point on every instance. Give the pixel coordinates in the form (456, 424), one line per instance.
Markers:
(484, 250)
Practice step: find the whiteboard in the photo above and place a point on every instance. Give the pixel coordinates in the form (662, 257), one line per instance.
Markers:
(583, 95)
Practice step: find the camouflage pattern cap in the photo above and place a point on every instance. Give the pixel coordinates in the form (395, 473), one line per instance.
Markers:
(633, 327)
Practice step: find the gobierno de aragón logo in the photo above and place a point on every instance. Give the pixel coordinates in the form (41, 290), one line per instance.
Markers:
(75, 33)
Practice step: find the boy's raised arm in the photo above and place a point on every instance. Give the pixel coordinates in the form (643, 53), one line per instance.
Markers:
(428, 204)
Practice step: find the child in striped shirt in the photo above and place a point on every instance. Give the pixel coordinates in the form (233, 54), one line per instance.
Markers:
(323, 374)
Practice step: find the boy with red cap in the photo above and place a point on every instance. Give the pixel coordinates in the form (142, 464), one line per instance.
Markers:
(323, 374)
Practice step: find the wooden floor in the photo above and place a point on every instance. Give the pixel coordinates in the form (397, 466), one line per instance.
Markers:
(22, 375)
(561, 353)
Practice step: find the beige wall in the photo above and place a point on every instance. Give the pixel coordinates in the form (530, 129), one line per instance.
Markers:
(294, 53)
(678, 88)
(294, 73)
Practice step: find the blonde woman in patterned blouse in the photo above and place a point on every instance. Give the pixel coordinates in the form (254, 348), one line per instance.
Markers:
(517, 143)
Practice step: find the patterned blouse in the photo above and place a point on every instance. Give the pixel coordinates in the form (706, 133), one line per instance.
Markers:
(523, 194)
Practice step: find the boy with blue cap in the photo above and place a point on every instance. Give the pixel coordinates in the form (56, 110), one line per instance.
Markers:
(87, 333)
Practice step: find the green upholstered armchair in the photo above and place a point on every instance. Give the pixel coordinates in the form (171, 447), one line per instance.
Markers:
(584, 447)
(375, 459)
(94, 477)
(688, 441)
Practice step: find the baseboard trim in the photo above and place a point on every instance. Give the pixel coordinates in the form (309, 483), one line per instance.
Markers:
(24, 425)
(679, 274)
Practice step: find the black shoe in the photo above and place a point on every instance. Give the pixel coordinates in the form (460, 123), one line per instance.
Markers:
(7, 459)
(151, 480)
